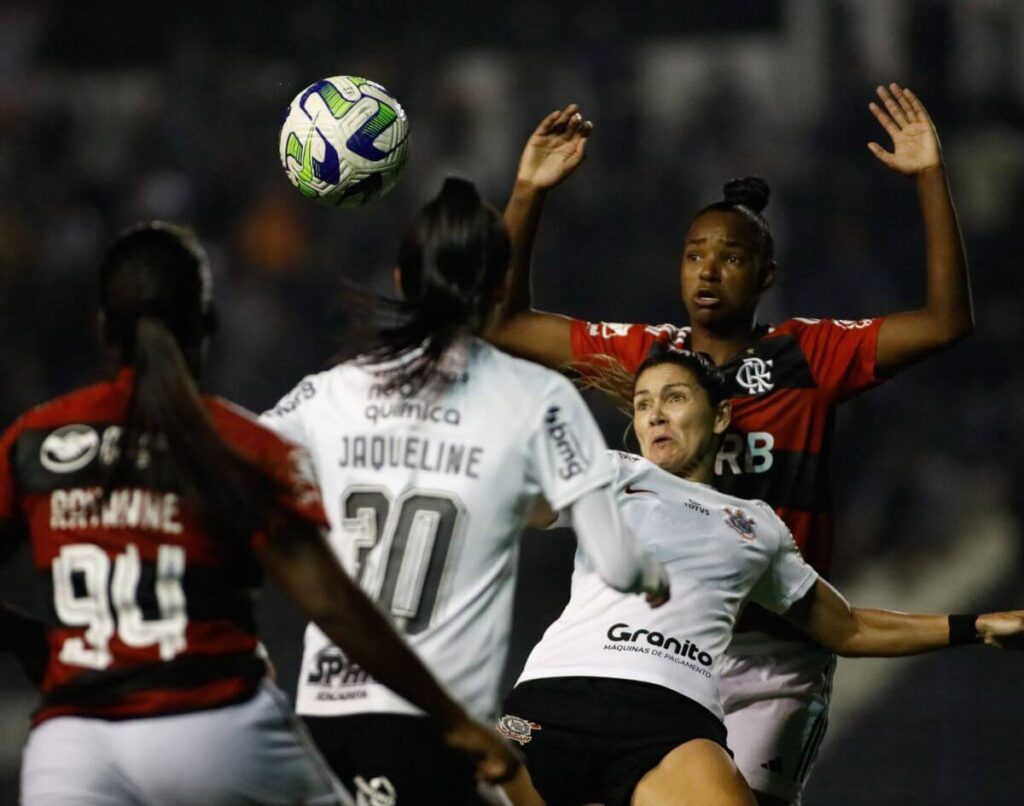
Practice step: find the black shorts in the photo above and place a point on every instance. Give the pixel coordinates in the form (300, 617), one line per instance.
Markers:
(591, 739)
(407, 751)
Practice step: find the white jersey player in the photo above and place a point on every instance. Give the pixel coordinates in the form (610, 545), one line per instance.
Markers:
(432, 452)
(719, 552)
(618, 704)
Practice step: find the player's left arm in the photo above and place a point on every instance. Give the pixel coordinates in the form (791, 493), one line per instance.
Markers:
(948, 315)
(861, 632)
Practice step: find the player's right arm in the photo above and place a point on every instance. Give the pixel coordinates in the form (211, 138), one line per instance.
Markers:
(297, 558)
(574, 472)
(554, 150)
(861, 632)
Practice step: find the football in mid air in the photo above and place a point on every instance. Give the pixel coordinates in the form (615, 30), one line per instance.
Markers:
(344, 140)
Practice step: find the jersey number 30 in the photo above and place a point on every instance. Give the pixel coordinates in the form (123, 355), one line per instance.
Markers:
(415, 535)
(81, 578)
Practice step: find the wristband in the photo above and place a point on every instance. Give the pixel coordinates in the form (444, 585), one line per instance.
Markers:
(962, 630)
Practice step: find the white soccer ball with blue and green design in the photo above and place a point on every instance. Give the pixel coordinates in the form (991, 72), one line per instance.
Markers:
(344, 140)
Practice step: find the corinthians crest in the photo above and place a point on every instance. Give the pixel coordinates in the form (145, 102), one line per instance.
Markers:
(516, 728)
(738, 521)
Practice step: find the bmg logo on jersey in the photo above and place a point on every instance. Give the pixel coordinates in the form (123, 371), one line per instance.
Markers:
(571, 459)
(335, 674)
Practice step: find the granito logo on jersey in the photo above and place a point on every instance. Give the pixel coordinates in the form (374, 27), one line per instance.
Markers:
(69, 448)
(517, 729)
(755, 375)
(334, 674)
(624, 638)
(378, 791)
(571, 459)
(737, 520)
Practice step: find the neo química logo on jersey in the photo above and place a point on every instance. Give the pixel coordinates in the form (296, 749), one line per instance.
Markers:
(624, 638)
(571, 459)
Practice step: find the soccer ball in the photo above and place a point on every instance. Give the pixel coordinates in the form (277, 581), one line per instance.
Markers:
(343, 142)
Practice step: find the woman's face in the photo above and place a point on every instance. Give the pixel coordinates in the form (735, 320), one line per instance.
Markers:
(722, 275)
(674, 419)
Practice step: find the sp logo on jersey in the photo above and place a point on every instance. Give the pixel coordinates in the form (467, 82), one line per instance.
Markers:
(738, 521)
(755, 375)
(516, 728)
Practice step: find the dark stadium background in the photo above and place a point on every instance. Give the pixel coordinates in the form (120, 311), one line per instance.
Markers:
(115, 111)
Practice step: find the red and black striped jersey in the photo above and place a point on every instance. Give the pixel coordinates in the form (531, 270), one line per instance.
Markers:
(147, 613)
(784, 391)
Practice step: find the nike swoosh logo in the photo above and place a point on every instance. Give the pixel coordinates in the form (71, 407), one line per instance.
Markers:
(629, 489)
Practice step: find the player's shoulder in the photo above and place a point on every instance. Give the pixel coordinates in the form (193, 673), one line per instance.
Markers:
(665, 333)
(243, 428)
(522, 379)
(96, 402)
(803, 326)
(760, 516)
(299, 396)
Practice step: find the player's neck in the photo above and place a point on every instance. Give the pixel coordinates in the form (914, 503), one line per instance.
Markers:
(702, 473)
(722, 346)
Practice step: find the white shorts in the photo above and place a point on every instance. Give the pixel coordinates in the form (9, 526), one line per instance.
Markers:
(255, 752)
(776, 712)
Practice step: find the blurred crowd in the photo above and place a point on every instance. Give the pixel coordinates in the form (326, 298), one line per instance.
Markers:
(115, 112)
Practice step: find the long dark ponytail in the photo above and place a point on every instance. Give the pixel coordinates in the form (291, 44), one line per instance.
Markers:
(452, 261)
(156, 298)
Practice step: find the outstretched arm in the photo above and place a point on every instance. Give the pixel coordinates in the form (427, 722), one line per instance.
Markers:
(858, 632)
(906, 338)
(297, 558)
(554, 150)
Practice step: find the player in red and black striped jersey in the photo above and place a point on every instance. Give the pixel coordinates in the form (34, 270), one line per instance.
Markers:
(786, 381)
(152, 512)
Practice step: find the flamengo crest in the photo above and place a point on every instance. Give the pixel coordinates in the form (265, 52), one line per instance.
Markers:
(755, 375)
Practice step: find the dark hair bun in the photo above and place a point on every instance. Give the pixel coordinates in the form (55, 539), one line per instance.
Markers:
(750, 191)
(457, 189)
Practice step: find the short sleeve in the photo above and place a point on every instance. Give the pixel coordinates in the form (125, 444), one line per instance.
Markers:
(787, 578)
(300, 494)
(567, 453)
(287, 418)
(841, 353)
(629, 344)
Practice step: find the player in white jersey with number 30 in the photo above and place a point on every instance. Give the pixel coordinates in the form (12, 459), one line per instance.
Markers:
(433, 449)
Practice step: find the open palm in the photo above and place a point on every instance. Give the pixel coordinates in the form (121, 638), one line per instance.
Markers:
(915, 143)
(555, 148)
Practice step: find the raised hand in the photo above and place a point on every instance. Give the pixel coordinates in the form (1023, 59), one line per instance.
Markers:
(1002, 629)
(555, 148)
(495, 760)
(915, 143)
